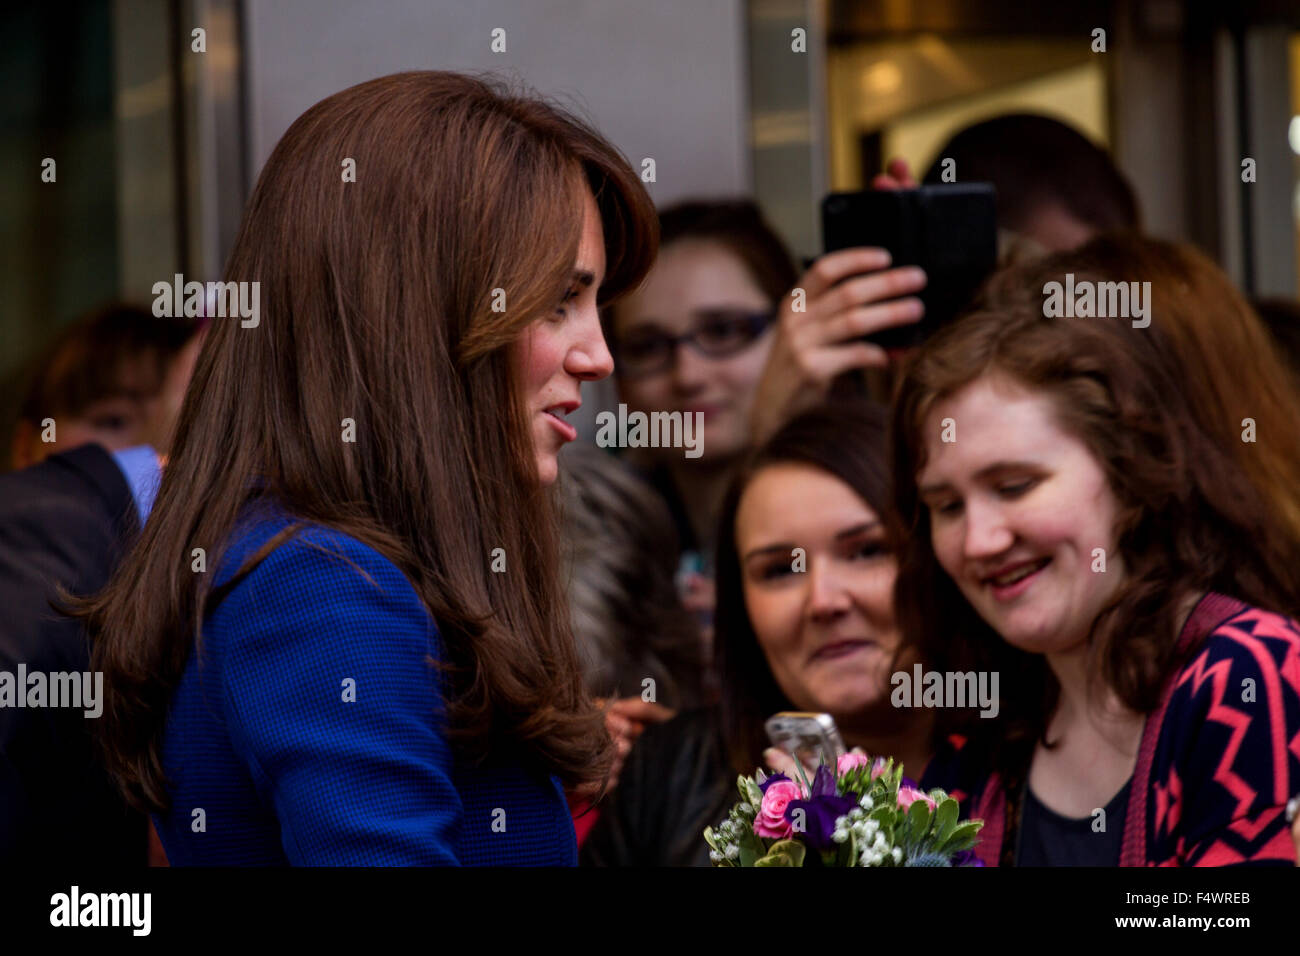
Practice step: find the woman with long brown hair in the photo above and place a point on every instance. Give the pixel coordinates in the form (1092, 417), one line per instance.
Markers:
(1231, 372)
(342, 638)
(1074, 528)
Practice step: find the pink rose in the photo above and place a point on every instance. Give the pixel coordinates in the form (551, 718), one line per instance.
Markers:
(878, 767)
(909, 795)
(849, 762)
(771, 821)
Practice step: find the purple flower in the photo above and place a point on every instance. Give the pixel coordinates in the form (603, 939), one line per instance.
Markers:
(966, 858)
(819, 816)
(823, 784)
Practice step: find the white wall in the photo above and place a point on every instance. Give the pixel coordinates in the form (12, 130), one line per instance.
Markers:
(664, 79)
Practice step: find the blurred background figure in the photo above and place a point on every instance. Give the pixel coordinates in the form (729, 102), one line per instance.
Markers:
(107, 392)
(113, 378)
(622, 553)
(1055, 187)
(694, 338)
(643, 653)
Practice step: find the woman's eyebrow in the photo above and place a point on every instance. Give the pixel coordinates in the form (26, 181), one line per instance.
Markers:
(986, 472)
(859, 529)
(769, 549)
(584, 276)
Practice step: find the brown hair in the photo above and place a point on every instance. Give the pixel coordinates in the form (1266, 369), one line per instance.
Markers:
(1228, 364)
(376, 299)
(1034, 160)
(844, 439)
(118, 351)
(739, 226)
(1189, 518)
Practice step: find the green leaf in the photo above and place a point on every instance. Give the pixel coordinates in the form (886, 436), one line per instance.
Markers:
(752, 848)
(918, 819)
(751, 792)
(790, 848)
(711, 838)
(962, 837)
(945, 819)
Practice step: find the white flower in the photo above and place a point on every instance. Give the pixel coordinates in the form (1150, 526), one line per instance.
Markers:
(866, 803)
(715, 856)
(897, 854)
(733, 851)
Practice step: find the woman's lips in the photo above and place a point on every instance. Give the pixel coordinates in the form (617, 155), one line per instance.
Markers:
(1008, 592)
(839, 649)
(567, 431)
(708, 411)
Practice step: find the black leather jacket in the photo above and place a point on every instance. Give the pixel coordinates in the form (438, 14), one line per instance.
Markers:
(674, 784)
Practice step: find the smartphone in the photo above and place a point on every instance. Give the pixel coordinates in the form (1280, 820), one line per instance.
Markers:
(949, 230)
(811, 739)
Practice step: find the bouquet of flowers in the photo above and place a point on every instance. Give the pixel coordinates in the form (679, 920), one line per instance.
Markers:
(862, 814)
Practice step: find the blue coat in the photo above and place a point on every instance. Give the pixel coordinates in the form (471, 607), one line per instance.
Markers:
(263, 738)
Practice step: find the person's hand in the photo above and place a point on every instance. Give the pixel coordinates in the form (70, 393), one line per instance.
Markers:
(895, 176)
(625, 719)
(815, 346)
(781, 762)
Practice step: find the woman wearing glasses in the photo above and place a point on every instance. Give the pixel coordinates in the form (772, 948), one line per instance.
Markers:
(720, 327)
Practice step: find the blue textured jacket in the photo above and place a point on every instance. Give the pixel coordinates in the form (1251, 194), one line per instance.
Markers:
(309, 728)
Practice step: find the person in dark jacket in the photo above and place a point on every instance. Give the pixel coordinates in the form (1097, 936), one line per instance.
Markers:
(63, 525)
(805, 622)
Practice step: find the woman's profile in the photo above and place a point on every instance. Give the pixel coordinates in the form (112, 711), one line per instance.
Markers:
(342, 637)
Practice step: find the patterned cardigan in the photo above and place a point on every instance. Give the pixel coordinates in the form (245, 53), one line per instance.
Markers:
(1219, 758)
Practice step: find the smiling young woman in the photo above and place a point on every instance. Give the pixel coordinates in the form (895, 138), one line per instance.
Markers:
(1072, 528)
(341, 676)
(805, 622)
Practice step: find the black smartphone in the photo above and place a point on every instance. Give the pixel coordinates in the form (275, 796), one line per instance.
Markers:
(949, 230)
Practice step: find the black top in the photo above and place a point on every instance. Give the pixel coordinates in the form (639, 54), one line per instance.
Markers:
(63, 523)
(1049, 839)
(674, 784)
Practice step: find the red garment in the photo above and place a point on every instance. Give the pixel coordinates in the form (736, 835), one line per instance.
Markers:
(584, 816)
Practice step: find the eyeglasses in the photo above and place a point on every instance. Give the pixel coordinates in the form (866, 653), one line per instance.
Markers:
(719, 333)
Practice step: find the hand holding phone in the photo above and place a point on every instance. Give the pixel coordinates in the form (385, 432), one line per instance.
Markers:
(841, 298)
(811, 739)
(949, 231)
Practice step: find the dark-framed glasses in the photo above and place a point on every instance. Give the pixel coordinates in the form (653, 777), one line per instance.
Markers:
(717, 333)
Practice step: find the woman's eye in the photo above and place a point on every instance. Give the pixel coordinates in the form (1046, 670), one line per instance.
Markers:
(945, 508)
(1016, 488)
(110, 423)
(870, 549)
(569, 296)
(773, 571)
